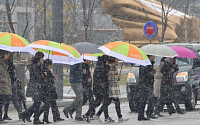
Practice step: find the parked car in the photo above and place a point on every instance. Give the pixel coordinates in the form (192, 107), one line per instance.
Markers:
(186, 89)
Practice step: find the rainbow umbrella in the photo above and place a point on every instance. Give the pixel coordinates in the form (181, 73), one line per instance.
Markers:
(58, 53)
(92, 57)
(127, 52)
(12, 42)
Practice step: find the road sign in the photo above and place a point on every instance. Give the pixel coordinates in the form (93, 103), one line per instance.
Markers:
(150, 30)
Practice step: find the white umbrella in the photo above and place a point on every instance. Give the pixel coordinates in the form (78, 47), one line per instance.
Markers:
(159, 50)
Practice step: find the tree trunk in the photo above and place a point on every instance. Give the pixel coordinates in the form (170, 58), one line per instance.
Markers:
(45, 22)
(58, 37)
(9, 16)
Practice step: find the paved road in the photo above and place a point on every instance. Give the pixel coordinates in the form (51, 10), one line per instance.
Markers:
(190, 118)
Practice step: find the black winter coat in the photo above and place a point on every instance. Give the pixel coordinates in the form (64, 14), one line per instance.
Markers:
(100, 79)
(34, 87)
(48, 85)
(168, 71)
(86, 76)
(146, 76)
(11, 69)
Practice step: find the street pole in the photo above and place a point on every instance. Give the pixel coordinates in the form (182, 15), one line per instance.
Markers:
(45, 23)
(57, 33)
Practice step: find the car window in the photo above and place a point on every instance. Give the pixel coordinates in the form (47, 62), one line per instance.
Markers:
(183, 61)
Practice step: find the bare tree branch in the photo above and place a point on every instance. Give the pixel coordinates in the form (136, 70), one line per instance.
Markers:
(73, 5)
(144, 10)
(37, 18)
(9, 16)
(184, 19)
(27, 21)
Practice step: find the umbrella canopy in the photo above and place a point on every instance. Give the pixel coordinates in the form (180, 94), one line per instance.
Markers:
(85, 47)
(55, 54)
(159, 50)
(92, 57)
(48, 45)
(12, 42)
(184, 52)
(126, 52)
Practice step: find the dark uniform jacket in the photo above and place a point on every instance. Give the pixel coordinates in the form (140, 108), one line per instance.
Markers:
(146, 76)
(86, 76)
(100, 79)
(168, 71)
(48, 85)
(34, 87)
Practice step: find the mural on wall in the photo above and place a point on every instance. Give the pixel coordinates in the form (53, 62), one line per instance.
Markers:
(131, 16)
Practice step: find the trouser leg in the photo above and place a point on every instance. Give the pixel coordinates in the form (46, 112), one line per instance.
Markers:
(97, 101)
(55, 111)
(46, 110)
(142, 102)
(6, 106)
(16, 99)
(85, 96)
(106, 103)
(36, 106)
(24, 104)
(91, 110)
(2, 103)
(77, 103)
(159, 106)
(117, 107)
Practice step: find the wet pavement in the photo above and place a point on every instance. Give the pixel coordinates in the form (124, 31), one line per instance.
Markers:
(190, 118)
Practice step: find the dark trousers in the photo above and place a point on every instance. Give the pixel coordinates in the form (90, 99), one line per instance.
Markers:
(34, 108)
(54, 107)
(151, 102)
(167, 98)
(144, 95)
(89, 96)
(98, 100)
(15, 99)
(3, 100)
(107, 102)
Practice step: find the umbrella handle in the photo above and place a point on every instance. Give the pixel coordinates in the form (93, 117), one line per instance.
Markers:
(120, 71)
(56, 68)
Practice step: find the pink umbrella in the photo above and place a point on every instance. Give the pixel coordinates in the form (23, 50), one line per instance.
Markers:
(184, 52)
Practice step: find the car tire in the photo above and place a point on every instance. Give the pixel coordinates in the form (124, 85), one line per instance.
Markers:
(190, 102)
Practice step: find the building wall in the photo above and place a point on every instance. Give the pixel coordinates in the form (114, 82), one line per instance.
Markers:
(19, 17)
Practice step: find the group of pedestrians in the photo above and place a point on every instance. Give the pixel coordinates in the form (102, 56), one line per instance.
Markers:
(105, 88)
(156, 87)
(41, 88)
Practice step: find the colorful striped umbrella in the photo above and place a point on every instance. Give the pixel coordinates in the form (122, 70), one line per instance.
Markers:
(12, 42)
(126, 52)
(62, 53)
(92, 57)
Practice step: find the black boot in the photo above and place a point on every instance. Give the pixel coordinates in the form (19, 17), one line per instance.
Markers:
(58, 119)
(47, 121)
(37, 122)
(6, 117)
